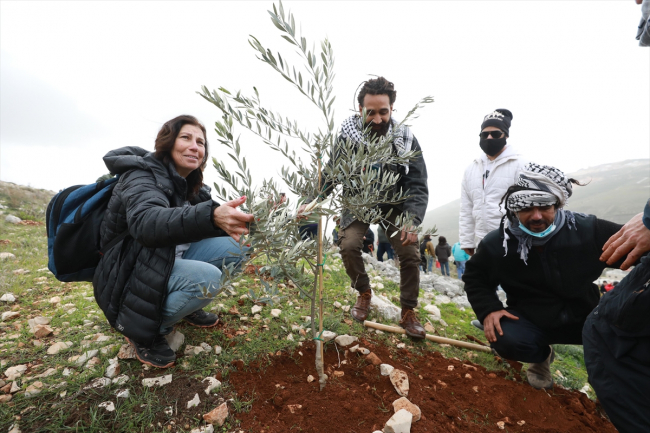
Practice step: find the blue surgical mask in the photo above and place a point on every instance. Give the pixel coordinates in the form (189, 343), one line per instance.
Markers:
(543, 234)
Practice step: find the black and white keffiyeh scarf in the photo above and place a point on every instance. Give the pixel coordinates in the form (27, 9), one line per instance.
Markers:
(545, 186)
(352, 129)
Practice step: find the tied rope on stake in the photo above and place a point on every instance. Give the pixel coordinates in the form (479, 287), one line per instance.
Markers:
(318, 337)
(324, 260)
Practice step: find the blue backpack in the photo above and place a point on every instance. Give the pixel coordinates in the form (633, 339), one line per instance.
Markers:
(73, 219)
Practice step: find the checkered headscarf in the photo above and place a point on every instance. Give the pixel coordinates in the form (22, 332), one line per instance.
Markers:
(545, 186)
(352, 128)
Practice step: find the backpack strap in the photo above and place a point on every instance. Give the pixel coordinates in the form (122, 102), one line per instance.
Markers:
(114, 242)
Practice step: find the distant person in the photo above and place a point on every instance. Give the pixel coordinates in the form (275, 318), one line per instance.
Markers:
(443, 252)
(179, 239)
(546, 259)
(616, 334)
(460, 257)
(486, 179)
(383, 245)
(368, 242)
(427, 254)
(643, 32)
(335, 230)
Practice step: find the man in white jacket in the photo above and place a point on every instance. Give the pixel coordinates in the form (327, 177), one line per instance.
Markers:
(486, 180)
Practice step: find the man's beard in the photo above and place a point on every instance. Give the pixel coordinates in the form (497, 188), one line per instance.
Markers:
(378, 129)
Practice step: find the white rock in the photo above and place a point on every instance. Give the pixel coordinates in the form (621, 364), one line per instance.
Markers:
(290, 337)
(345, 308)
(66, 372)
(14, 428)
(276, 312)
(212, 384)
(364, 351)
(434, 312)
(354, 348)
(7, 297)
(194, 402)
(15, 372)
(337, 304)
(217, 350)
(206, 347)
(385, 308)
(33, 389)
(157, 381)
(400, 381)
(59, 346)
(12, 219)
(86, 356)
(14, 388)
(193, 350)
(120, 380)
(175, 339)
(310, 378)
(112, 370)
(328, 335)
(345, 340)
(122, 393)
(204, 429)
(7, 256)
(256, 309)
(100, 382)
(108, 405)
(385, 369)
(400, 422)
(442, 299)
(169, 410)
(9, 315)
(404, 403)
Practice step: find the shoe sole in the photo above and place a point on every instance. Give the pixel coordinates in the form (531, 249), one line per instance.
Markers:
(416, 336)
(359, 320)
(144, 361)
(203, 326)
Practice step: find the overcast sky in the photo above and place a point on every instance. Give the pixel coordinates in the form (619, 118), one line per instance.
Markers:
(81, 78)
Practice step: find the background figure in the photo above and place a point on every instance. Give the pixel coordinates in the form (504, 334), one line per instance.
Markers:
(643, 33)
(383, 245)
(443, 252)
(368, 242)
(486, 180)
(335, 231)
(460, 257)
(427, 254)
(308, 231)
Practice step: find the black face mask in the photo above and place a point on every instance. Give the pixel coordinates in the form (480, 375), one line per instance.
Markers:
(492, 146)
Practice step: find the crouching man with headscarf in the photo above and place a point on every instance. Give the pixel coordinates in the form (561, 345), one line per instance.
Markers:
(545, 258)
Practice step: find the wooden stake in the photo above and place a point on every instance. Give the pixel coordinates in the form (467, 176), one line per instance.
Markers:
(320, 366)
(441, 340)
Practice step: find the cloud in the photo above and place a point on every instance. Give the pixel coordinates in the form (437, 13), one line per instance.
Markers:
(32, 112)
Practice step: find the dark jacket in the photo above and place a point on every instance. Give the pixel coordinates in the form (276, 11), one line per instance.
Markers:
(131, 279)
(443, 252)
(556, 287)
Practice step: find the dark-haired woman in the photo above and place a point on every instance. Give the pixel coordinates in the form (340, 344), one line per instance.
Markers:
(443, 252)
(177, 240)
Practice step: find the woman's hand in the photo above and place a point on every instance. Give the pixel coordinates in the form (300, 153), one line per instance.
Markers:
(231, 220)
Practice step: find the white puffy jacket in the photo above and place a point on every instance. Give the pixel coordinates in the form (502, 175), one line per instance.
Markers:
(479, 206)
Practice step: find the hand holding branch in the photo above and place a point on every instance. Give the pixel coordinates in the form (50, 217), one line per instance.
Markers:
(232, 220)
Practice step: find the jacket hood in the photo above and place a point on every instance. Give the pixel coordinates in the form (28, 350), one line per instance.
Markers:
(508, 153)
(127, 158)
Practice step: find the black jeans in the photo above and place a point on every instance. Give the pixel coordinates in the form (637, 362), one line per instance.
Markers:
(526, 342)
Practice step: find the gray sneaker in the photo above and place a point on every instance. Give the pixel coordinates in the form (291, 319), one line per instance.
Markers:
(539, 375)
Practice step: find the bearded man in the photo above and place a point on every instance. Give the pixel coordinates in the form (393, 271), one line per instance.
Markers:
(377, 97)
(546, 259)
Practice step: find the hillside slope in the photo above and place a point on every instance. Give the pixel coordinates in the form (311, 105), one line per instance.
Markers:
(615, 192)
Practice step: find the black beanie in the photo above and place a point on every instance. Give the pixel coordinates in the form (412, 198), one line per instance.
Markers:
(500, 118)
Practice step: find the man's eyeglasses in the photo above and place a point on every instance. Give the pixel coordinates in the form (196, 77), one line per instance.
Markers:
(494, 134)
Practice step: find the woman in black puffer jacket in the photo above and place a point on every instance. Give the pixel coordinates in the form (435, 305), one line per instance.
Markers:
(178, 240)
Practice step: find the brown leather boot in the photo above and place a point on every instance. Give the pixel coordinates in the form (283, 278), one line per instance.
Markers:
(360, 310)
(411, 324)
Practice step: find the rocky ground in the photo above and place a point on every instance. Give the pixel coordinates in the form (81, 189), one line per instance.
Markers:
(62, 367)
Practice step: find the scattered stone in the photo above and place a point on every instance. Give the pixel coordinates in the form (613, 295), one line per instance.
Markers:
(401, 345)
(429, 328)
(194, 402)
(33, 389)
(364, 351)
(10, 315)
(217, 350)
(157, 381)
(520, 423)
(66, 372)
(7, 256)
(107, 349)
(100, 382)
(126, 352)
(120, 380)
(310, 379)
(86, 356)
(400, 422)
(400, 381)
(290, 337)
(338, 373)
(8, 297)
(43, 331)
(354, 348)
(450, 367)
(373, 359)
(113, 368)
(206, 347)
(345, 340)
(12, 219)
(475, 388)
(218, 415)
(385, 369)
(175, 339)
(385, 308)
(345, 308)
(15, 372)
(205, 429)
(469, 367)
(122, 393)
(108, 405)
(256, 309)
(293, 408)
(47, 373)
(14, 388)
(55, 300)
(212, 384)
(328, 336)
(337, 304)
(501, 425)
(193, 350)
(5, 398)
(404, 403)
(14, 428)
(276, 312)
